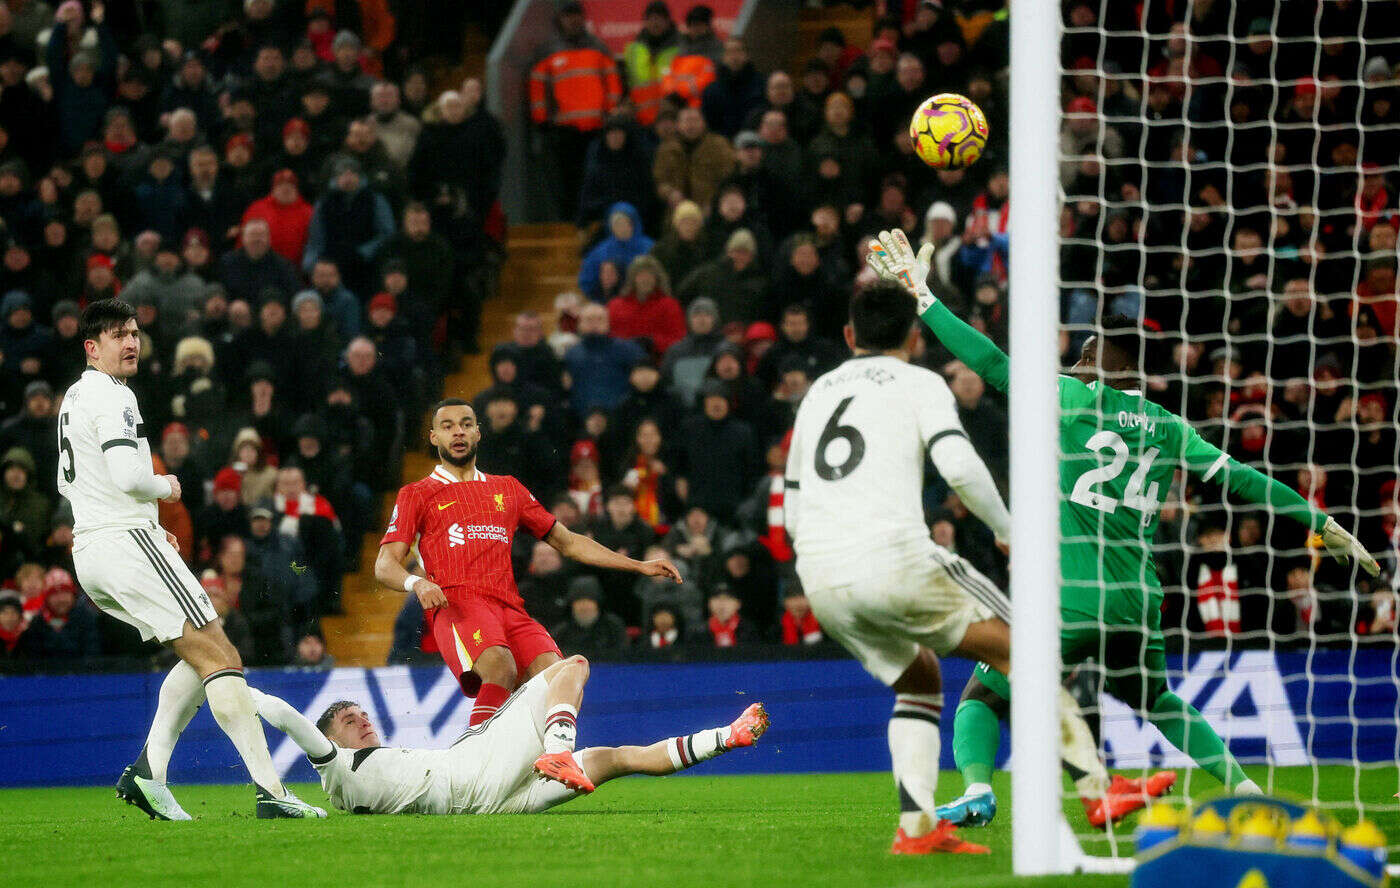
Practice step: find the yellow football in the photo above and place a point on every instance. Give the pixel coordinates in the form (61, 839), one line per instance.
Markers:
(949, 131)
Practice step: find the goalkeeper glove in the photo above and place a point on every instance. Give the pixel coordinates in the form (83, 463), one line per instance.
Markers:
(893, 259)
(1341, 545)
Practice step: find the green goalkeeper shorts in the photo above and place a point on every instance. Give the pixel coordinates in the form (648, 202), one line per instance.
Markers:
(1133, 660)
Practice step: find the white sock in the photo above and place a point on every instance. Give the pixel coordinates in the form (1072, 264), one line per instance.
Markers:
(181, 695)
(914, 750)
(235, 712)
(1247, 787)
(695, 748)
(560, 728)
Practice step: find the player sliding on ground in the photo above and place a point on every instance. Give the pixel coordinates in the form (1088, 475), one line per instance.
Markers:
(1118, 452)
(519, 761)
(464, 521)
(875, 579)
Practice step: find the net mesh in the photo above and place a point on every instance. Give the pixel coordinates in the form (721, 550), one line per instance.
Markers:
(1229, 173)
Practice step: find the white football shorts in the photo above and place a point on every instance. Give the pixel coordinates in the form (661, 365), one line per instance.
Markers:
(896, 603)
(139, 578)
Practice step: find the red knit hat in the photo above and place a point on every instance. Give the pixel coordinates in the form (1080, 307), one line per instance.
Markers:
(101, 259)
(583, 449)
(283, 176)
(228, 478)
(296, 125)
(384, 301)
(58, 579)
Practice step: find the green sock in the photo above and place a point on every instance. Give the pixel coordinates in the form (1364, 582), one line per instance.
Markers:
(1188, 730)
(976, 736)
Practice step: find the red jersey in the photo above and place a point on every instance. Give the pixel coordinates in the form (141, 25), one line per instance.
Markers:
(464, 530)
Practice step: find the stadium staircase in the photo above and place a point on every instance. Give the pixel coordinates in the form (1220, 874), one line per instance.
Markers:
(542, 260)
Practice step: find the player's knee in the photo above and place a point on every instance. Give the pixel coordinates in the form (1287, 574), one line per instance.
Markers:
(579, 663)
(497, 666)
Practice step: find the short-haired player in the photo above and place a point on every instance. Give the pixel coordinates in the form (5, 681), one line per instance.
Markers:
(463, 521)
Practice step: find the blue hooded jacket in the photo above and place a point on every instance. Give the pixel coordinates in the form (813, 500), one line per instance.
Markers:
(610, 249)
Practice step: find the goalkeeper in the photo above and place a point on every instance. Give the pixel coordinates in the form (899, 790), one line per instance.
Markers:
(1118, 454)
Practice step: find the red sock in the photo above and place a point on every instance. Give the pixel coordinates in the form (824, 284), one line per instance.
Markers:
(488, 700)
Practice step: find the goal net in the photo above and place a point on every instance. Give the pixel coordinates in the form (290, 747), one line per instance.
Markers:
(1227, 178)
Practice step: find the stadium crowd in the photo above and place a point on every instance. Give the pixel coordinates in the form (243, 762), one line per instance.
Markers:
(273, 188)
(306, 248)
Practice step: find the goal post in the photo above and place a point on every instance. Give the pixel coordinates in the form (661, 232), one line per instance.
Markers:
(1033, 408)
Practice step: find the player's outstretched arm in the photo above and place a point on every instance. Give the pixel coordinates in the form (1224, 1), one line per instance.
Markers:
(389, 570)
(587, 550)
(282, 716)
(1210, 463)
(892, 258)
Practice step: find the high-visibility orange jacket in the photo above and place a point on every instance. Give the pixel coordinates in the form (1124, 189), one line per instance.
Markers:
(574, 85)
(688, 77)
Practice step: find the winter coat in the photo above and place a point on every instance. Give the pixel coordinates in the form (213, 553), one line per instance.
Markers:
(696, 168)
(722, 462)
(290, 225)
(245, 278)
(658, 318)
(600, 366)
(80, 109)
(611, 176)
(729, 100)
(741, 295)
(610, 249)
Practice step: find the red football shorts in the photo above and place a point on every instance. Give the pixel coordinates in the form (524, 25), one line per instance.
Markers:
(466, 627)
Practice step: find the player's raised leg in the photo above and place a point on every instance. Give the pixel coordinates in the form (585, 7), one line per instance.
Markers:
(216, 660)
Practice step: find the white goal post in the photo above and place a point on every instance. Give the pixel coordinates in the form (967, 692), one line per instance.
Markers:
(1036, 842)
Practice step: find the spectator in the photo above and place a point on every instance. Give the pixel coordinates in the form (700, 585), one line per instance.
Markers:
(625, 242)
(589, 630)
(287, 214)
(340, 304)
(82, 80)
(803, 119)
(533, 357)
(799, 625)
(802, 272)
(598, 365)
(460, 195)
(398, 130)
(510, 447)
(616, 169)
(35, 429)
(23, 343)
(796, 340)
(725, 627)
(646, 60)
(381, 174)
(622, 530)
(349, 85)
(721, 456)
(645, 310)
(309, 519)
(375, 398)
(63, 632)
(693, 163)
(682, 247)
(735, 282)
(854, 151)
(176, 293)
(664, 629)
(574, 86)
(225, 514)
(349, 225)
(427, 263)
(263, 604)
(253, 267)
(585, 478)
(545, 584)
(312, 653)
(234, 624)
(12, 627)
(735, 93)
(22, 506)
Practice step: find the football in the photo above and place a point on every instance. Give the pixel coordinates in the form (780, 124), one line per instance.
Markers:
(949, 131)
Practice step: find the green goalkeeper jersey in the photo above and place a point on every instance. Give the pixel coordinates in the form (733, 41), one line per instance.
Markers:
(1118, 455)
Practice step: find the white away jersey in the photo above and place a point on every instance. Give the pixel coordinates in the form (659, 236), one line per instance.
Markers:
(855, 469)
(99, 412)
(387, 780)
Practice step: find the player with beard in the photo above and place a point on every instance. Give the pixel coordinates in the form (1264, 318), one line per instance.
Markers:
(464, 521)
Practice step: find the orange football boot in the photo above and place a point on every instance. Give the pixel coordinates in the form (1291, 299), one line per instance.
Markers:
(942, 839)
(748, 727)
(561, 767)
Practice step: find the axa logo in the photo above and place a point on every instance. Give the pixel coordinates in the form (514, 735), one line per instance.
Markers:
(456, 536)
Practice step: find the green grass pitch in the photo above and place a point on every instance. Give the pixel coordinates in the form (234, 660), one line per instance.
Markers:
(791, 830)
